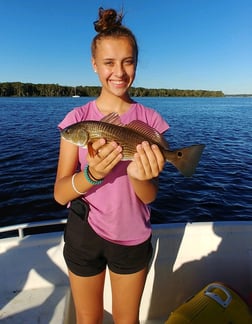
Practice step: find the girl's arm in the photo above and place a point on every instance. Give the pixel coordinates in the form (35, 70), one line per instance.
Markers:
(66, 187)
(67, 164)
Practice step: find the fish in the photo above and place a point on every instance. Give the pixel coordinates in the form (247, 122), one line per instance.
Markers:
(128, 136)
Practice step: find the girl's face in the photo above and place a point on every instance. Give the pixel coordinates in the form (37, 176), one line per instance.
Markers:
(115, 63)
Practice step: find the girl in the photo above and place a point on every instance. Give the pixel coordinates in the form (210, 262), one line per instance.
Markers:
(109, 225)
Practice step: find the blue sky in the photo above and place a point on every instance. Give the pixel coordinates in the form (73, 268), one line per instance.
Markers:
(184, 44)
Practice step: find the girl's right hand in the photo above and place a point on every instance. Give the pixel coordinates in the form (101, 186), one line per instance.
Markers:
(106, 157)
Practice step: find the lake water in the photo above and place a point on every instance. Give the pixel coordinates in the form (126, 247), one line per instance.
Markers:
(221, 188)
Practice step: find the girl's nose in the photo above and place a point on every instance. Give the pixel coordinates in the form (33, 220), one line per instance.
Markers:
(119, 70)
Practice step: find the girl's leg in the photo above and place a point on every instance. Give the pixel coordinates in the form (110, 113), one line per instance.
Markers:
(88, 297)
(127, 291)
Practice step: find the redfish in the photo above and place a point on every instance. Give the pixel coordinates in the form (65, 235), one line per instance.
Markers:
(128, 137)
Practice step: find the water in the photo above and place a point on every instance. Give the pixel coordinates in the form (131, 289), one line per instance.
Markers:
(220, 189)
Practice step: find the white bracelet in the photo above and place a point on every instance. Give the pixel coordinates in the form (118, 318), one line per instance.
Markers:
(73, 185)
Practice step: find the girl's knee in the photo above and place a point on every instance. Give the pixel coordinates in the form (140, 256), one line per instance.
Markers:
(85, 317)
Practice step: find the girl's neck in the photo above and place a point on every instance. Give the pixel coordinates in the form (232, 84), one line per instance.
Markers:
(108, 104)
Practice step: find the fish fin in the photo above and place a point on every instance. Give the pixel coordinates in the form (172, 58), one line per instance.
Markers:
(185, 159)
(91, 151)
(112, 118)
(149, 132)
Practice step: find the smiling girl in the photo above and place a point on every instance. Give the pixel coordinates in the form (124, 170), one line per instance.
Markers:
(109, 220)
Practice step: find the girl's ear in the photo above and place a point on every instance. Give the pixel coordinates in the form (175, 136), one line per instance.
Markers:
(94, 64)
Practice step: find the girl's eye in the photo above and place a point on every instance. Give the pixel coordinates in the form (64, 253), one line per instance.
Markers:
(129, 62)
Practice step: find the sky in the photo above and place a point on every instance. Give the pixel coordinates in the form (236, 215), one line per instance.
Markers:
(183, 44)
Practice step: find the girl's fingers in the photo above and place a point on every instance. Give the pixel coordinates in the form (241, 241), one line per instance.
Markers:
(106, 157)
(151, 159)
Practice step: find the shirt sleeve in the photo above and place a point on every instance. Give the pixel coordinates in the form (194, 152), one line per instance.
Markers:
(158, 122)
(69, 119)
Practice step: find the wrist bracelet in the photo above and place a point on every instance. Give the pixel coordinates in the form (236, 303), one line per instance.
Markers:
(88, 176)
(91, 175)
(73, 185)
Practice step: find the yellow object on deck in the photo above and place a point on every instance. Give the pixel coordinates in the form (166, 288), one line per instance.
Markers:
(217, 304)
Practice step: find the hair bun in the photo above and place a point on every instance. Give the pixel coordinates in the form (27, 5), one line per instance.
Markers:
(108, 19)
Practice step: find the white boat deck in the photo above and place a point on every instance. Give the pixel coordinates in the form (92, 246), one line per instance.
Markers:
(34, 285)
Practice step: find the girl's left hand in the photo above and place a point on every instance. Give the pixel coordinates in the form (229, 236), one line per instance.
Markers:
(148, 162)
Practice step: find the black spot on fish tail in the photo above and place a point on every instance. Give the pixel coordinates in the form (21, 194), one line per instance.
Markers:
(179, 154)
(186, 159)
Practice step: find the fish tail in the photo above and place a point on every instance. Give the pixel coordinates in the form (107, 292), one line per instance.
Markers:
(185, 159)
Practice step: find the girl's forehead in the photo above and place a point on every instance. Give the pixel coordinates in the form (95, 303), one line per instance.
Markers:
(111, 44)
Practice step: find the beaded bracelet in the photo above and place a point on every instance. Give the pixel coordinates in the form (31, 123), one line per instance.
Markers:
(88, 178)
(73, 185)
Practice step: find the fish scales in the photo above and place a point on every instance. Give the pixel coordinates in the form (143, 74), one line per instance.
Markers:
(125, 137)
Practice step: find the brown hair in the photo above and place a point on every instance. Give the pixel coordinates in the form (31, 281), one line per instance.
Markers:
(109, 24)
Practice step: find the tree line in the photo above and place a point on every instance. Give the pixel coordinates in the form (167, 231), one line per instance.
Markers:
(19, 89)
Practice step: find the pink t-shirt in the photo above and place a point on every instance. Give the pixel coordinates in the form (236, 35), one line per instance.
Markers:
(116, 213)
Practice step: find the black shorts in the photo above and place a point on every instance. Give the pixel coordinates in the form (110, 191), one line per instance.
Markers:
(87, 254)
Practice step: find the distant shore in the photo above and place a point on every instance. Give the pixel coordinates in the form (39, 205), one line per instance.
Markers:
(19, 89)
